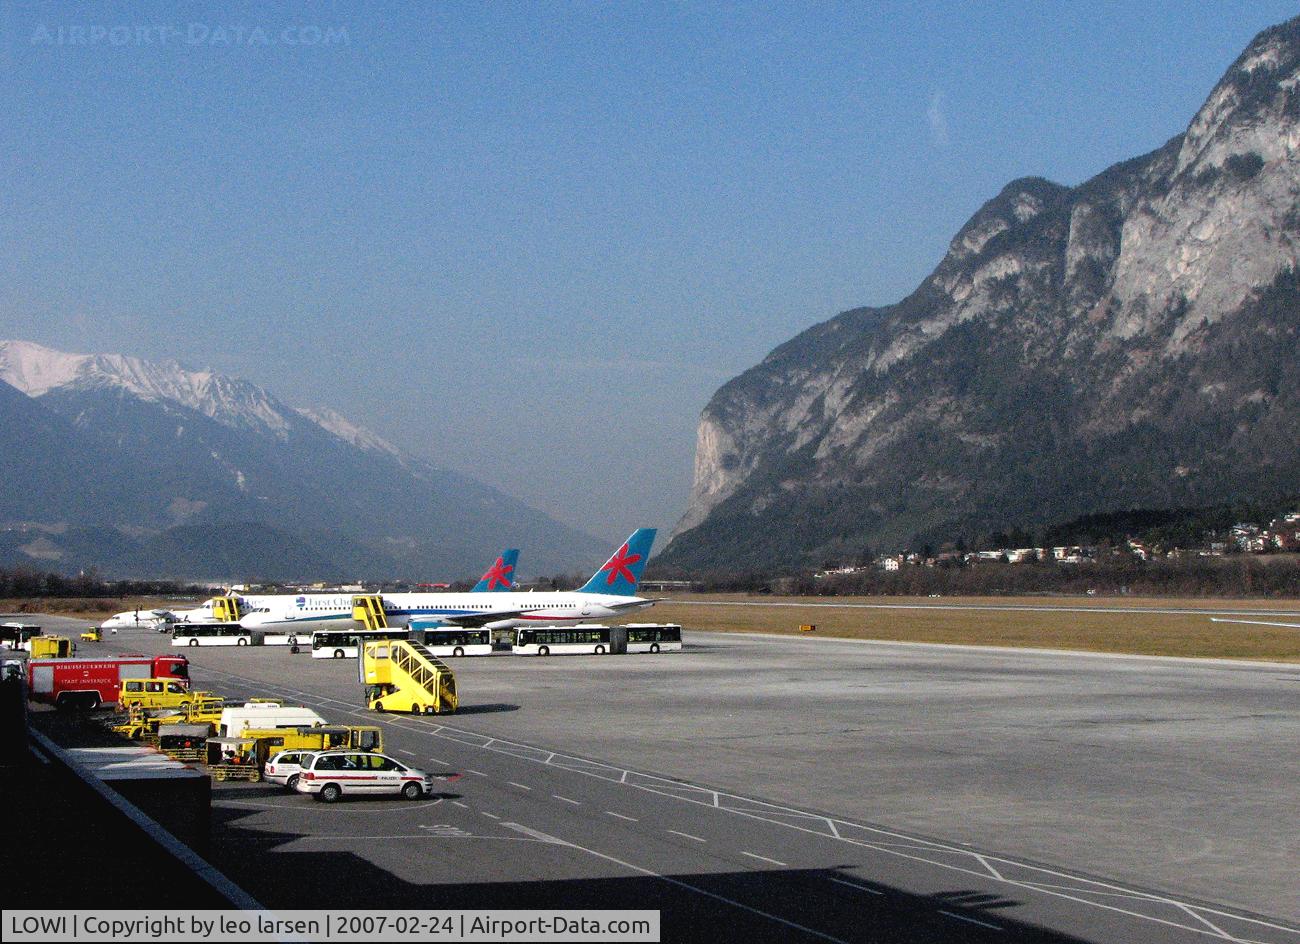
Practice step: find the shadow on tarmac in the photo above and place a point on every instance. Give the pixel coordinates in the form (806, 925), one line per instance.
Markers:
(486, 709)
(694, 907)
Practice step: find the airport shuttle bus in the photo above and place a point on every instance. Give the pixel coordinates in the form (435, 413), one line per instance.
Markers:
(561, 640)
(346, 644)
(650, 637)
(212, 634)
(457, 641)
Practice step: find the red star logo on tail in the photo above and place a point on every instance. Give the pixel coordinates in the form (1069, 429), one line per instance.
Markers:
(498, 574)
(620, 566)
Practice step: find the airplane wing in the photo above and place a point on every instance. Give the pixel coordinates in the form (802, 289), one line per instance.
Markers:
(1215, 619)
(475, 620)
(630, 604)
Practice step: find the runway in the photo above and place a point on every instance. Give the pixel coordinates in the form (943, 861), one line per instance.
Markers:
(999, 608)
(812, 788)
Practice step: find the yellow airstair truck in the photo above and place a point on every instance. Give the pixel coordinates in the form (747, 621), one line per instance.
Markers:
(399, 675)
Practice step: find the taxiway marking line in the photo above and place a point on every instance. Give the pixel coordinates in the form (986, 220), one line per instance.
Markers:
(676, 882)
(983, 924)
(686, 835)
(861, 888)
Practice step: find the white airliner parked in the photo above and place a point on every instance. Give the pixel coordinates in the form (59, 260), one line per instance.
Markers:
(139, 619)
(500, 574)
(610, 592)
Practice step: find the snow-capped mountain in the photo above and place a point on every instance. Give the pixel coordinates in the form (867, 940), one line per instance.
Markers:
(36, 370)
(150, 468)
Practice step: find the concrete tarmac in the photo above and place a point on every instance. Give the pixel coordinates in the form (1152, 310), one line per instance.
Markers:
(821, 788)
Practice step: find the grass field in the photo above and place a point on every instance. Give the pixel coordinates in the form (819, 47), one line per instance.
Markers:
(1164, 634)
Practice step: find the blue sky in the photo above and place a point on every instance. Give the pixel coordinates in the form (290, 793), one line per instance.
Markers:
(530, 240)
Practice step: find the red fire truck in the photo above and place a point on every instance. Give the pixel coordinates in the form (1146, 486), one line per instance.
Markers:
(89, 683)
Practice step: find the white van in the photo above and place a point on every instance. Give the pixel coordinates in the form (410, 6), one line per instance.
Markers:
(264, 715)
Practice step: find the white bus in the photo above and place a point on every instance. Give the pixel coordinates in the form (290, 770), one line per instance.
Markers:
(457, 641)
(346, 644)
(654, 637)
(211, 634)
(561, 640)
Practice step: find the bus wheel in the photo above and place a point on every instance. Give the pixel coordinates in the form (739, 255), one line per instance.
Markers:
(600, 650)
(416, 709)
(242, 641)
(654, 647)
(338, 653)
(458, 651)
(330, 793)
(194, 642)
(543, 650)
(379, 706)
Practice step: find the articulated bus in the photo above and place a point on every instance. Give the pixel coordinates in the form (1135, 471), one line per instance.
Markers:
(346, 644)
(457, 641)
(654, 637)
(211, 634)
(561, 640)
(596, 640)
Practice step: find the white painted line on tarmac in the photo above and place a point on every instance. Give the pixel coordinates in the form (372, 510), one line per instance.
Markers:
(755, 855)
(476, 773)
(405, 751)
(521, 786)
(983, 924)
(861, 888)
(675, 882)
(686, 835)
(630, 819)
(565, 799)
(460, 804)
(611, 773)
(489, 815)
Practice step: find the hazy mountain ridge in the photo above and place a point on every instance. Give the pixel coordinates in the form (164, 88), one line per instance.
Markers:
(131, 457)
(1131, 340)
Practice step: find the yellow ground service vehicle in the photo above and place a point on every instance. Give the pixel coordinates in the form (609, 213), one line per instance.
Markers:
(235, 758)
(321, 737)
(94, 634)
(405, 676)
(157, 693)
(52, 647)
(137, 726)
(184, 741)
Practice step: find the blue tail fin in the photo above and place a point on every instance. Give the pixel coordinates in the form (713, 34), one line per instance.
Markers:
(622, 572)
(501, 575)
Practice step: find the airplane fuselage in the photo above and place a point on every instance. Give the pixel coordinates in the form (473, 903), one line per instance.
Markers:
(325, 612)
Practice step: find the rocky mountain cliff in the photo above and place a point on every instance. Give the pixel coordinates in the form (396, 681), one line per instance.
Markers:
(1129, 341)
(146, 469)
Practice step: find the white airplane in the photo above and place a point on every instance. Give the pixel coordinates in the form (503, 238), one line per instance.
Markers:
(500, 574)
(610, 592)
(139, 619)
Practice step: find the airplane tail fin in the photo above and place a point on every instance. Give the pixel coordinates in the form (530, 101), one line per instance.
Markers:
(622, 572)
(501, 575)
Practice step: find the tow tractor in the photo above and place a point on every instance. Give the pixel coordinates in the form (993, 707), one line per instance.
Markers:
(235, 758)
